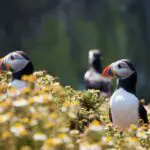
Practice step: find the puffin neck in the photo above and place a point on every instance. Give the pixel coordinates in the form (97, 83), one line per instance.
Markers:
(28, 70)
(129, 84)
(97, 65)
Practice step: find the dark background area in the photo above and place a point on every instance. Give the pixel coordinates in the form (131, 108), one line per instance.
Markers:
(57, 35)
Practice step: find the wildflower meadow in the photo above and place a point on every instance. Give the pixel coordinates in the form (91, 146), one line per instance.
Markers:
(49, 116)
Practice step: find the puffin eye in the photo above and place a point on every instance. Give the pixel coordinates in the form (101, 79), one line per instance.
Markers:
(119, 66)
(12, 58)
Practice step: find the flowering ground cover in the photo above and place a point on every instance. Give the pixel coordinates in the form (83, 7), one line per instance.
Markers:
(48, 116)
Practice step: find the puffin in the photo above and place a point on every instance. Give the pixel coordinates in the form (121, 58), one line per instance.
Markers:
(19, 64)
(125, 107)
(93, 78)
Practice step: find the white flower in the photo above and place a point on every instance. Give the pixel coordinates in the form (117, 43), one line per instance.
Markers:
(39, 137)
(141, 134)
(148, 132)
(17, 129)
(63, 130)
(74, 132)
(96, 128)
(44, 110)
(3, 97)
(4, 118)
(32, 110)
(107, 140)
(33, 122)
(66, 139)
(63, 109)
(14, 92)
(38, 99)
(89, 147)
(20, 103)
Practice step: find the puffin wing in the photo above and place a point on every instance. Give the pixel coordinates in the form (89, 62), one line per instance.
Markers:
(143, 113)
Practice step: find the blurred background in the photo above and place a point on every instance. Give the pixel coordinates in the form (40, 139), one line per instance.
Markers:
(57, 35)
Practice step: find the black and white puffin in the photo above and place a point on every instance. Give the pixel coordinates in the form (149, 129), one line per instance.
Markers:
(93, 78)
(19, 64)
(125, 107)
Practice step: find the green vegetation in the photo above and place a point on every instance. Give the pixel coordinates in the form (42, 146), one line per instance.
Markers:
(60, 118)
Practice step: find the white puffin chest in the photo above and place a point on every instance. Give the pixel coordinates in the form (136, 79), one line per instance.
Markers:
(124, 108)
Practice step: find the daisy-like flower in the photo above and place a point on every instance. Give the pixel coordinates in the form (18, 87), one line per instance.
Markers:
(12, 92)
(141, 134)
(18, 129)
(50, 142)
(63, 130)
(64, 137)
(20, 103)
(4, 118)
(3, 97)
(38, 73)
(5, 105)
(107, 140)
(74, 132)
(42, 98)
(33, 122)
(132, 128)
(64, 109)
(86, 146)
(39, 99)
(148, 132)
(95, 126)
(39, 137)
(72, 115)
(32, 110)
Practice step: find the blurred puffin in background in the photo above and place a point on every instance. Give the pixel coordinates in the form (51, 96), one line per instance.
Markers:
(19, 64)
(125, 107)
(93, 78)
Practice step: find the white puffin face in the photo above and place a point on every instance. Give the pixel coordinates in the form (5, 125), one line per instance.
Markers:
(15, 61)
(121, 69)
(92, 54)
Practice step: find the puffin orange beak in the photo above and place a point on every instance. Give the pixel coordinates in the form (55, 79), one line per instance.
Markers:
(3, 67)
(108, 72)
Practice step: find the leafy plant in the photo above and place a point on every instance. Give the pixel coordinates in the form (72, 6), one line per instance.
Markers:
(48, 116)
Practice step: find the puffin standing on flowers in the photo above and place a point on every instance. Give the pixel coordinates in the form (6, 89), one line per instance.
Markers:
(125, 107)
(19, 64)
(93, 78)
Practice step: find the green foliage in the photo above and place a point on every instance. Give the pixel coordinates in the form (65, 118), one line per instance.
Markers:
(52, 49)
(49, 116)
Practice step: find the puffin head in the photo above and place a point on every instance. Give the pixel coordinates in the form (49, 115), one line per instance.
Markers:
(95, 57)
(95, 54)
(17, 62)
(121, 69)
